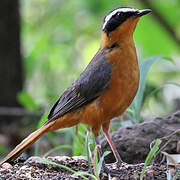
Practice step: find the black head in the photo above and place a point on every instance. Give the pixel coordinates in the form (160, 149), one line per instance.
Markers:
(117, 16)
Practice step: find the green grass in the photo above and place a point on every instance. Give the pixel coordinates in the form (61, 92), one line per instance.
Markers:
(150, 156)
(75, 173)
(99, 166)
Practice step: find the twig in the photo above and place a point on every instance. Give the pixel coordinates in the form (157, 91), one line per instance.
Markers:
(169, 138)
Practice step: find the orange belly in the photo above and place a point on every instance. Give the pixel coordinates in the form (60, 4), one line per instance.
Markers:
(114, 101)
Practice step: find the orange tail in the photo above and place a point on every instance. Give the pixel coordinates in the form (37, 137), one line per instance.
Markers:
(27, 142)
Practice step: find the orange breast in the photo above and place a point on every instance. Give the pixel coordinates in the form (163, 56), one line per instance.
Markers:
(114, 101)
(124, 82)
(122, 88)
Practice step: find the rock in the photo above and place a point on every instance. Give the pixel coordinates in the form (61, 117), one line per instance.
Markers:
(7, 166)
(133, 142)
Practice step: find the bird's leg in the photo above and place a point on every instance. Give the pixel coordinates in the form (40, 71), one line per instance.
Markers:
(99, 146)
(104, 168)
(116, 154)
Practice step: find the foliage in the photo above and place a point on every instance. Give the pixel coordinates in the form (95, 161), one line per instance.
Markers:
(100, 163)
(79, 138)
(144, 67)
(150, 156)
(27, 101)
(60, 38)
(81, 174)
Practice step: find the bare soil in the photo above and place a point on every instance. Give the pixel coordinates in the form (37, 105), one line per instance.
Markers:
(34, 168)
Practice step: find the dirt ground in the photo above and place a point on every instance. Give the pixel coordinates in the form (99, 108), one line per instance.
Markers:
(34, 168)
(133, 144)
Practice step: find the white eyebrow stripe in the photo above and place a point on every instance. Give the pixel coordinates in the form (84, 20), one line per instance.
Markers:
(108, 17)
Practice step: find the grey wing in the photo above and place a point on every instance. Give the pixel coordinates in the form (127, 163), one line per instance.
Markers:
(91, 84)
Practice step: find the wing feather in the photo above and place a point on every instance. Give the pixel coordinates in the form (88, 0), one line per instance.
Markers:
(90, 85)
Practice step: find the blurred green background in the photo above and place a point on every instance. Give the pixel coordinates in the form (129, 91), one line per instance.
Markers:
(60, 37)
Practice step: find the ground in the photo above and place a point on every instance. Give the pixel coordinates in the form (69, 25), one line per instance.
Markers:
(34, 168)
(133, 144)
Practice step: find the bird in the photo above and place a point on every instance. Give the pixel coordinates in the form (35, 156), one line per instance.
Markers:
(104, 90)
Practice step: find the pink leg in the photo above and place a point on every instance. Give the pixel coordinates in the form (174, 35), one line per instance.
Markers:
(116, 154)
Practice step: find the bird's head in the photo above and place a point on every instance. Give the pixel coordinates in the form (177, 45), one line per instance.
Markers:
(122, 20)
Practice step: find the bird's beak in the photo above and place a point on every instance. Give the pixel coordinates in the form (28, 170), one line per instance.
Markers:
(143, 12)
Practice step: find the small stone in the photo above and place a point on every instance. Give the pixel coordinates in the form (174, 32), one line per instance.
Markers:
(34, 160)
(58, 158)
(7, 166)
(24, 167)
(77, 158)
(84, 165)
(150, 172)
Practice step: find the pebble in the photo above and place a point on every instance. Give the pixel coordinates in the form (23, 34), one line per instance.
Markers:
(6, 166)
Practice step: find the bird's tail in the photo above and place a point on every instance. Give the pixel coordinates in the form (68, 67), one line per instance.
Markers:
(27, 142)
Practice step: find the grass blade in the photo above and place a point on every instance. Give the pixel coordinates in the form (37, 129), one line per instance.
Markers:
(85, 173)
(88, 151)
(150, 156)
(64, 167)
(101, 161)
(144, 67)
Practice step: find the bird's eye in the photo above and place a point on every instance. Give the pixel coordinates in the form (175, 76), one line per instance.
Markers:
(118, 14)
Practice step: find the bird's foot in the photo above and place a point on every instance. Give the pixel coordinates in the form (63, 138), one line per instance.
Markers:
(113, 169)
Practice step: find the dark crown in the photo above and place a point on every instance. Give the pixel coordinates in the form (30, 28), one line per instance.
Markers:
(116, 17)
